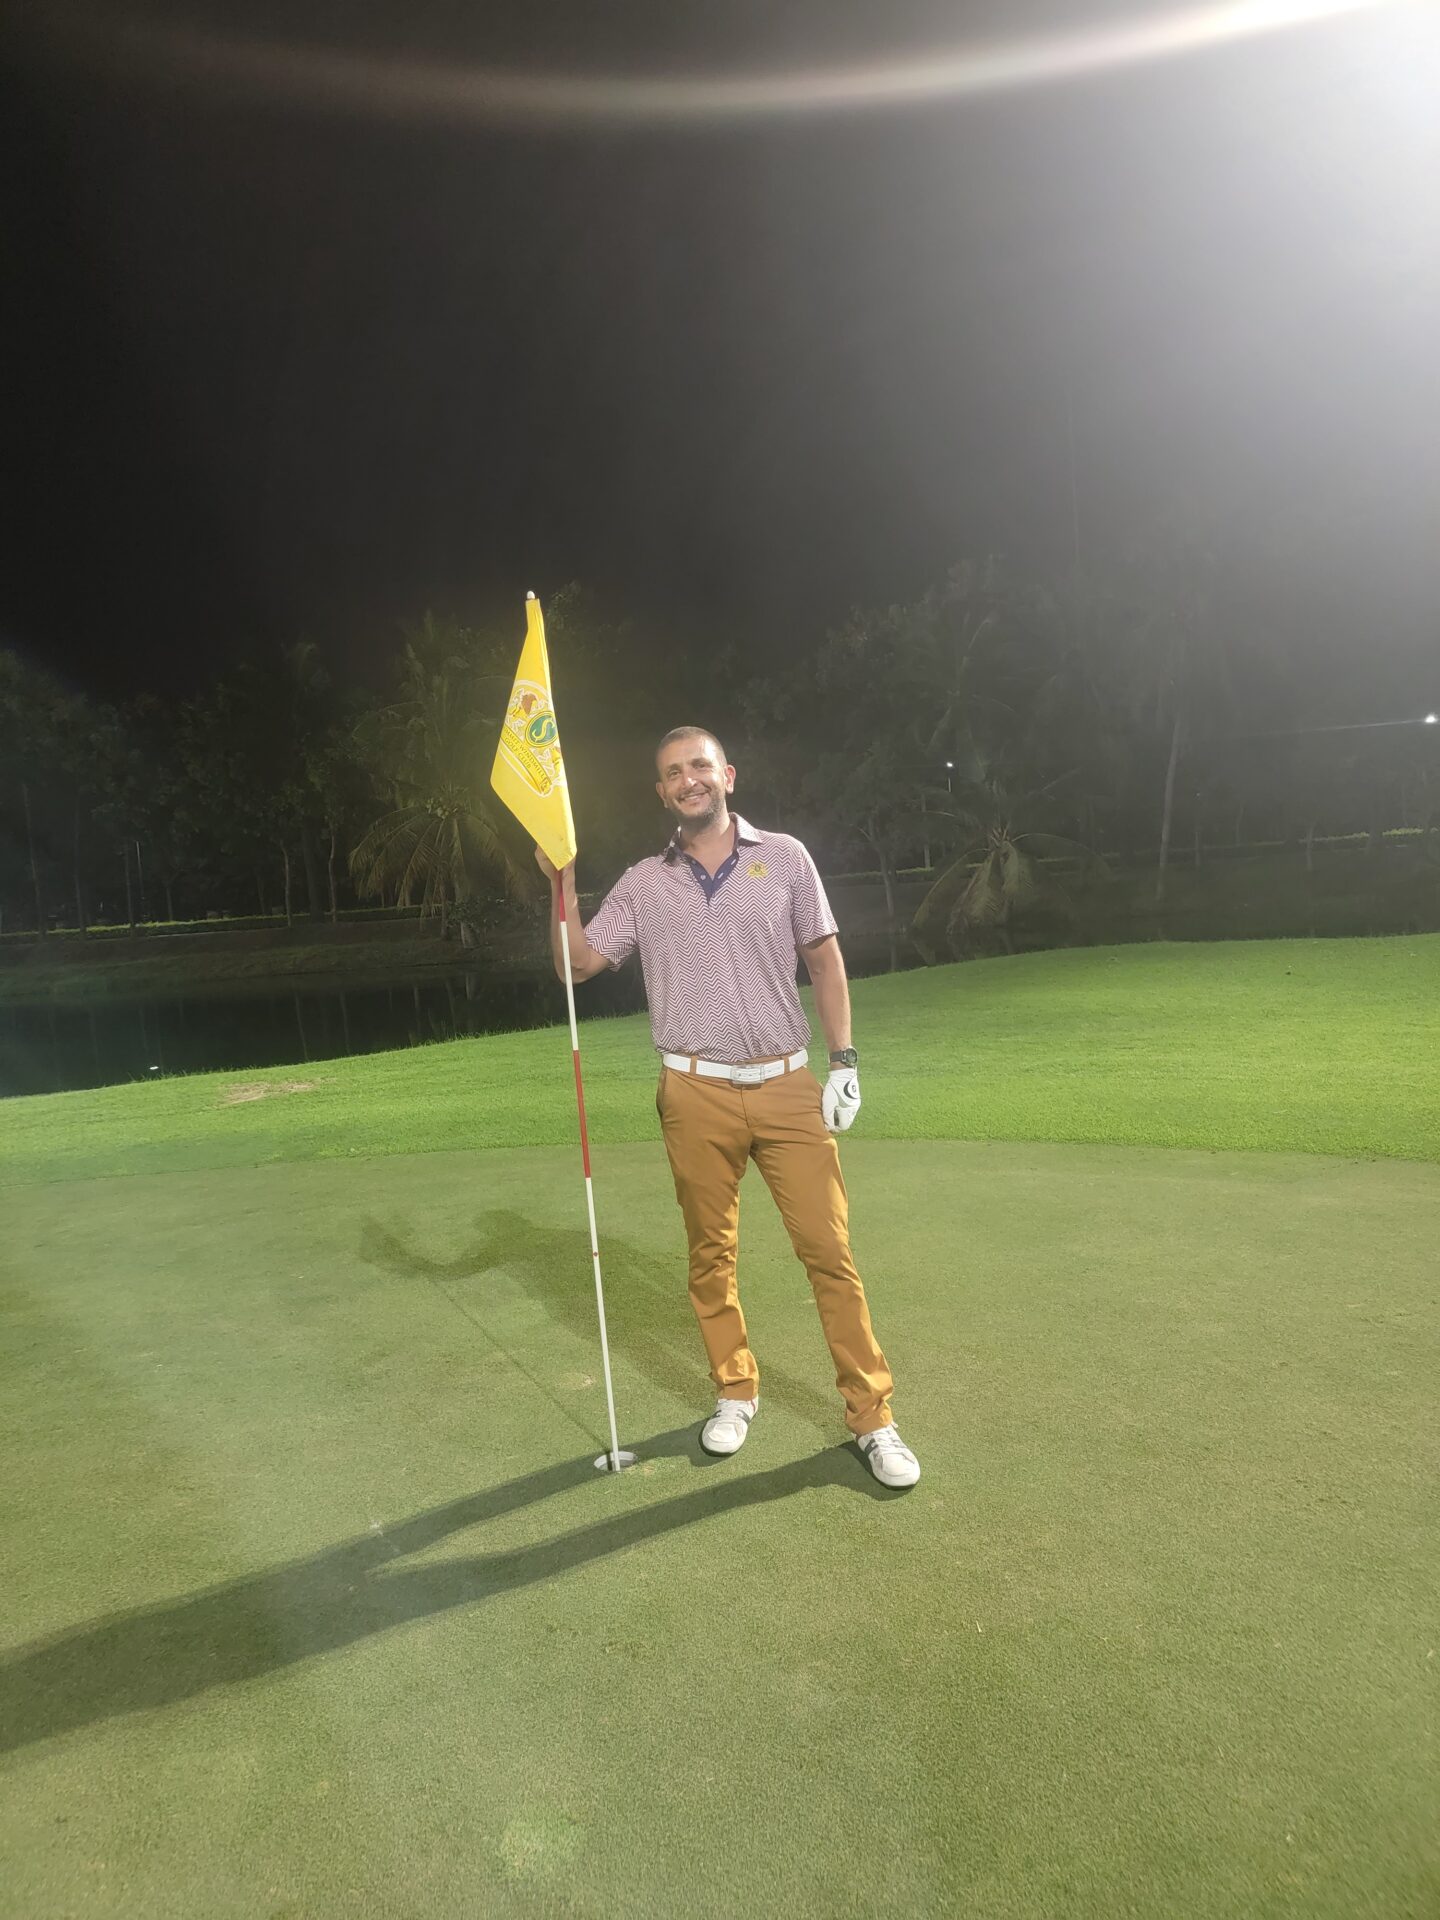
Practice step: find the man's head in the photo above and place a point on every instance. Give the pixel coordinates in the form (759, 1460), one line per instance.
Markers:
(693, 778)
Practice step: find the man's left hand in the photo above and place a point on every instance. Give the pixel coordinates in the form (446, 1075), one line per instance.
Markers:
(840, 1098)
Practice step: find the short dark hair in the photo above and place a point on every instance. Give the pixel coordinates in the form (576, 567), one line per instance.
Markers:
(690, 733)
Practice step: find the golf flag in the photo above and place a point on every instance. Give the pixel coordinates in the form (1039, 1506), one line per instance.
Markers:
(529, 776)
(529, 772)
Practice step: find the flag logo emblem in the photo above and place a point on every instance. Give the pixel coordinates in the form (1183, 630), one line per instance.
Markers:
(530, 739)
(757, 870)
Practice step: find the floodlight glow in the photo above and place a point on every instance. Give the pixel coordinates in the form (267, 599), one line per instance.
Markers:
(366, 83)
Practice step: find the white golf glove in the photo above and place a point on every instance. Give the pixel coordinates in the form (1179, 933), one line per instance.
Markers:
(840, 1098)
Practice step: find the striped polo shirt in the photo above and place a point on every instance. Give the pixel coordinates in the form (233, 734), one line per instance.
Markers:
(719, 960)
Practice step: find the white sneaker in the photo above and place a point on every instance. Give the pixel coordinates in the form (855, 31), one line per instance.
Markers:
(891, 1461)
(725, 1430)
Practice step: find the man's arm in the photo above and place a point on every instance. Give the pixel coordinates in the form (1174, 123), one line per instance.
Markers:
(585, 962)
(826, 967)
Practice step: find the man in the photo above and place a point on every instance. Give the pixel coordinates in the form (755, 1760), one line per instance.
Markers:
(718, 917)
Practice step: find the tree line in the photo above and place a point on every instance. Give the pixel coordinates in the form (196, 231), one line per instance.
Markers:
(1031, 731)
(1009, 732)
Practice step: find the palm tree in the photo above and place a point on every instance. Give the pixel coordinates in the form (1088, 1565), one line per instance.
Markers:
(433, 747)
(996, 878)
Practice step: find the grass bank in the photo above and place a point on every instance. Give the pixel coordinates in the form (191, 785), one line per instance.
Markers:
(1284, 1046)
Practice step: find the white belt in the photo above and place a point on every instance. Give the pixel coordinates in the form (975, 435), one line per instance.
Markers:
(737, 1076)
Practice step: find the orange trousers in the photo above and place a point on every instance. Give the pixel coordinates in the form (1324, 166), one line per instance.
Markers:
(712, 1132)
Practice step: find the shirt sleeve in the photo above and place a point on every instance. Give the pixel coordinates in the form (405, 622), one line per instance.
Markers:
(810, 914)
(612, 931)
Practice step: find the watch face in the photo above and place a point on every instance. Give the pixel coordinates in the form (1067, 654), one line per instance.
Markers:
(845, 1057)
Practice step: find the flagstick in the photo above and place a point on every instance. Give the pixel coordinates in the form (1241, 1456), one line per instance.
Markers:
(615, 1459)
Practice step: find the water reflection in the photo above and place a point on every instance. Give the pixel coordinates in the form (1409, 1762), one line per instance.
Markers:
(64, 1046)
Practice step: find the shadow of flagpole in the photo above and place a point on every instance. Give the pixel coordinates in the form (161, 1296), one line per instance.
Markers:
(243, 1629)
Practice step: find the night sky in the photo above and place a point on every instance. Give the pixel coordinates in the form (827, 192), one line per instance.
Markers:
(285, 362)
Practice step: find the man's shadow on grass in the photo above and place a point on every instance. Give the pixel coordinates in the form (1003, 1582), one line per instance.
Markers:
(243, 1629)
(650, 1323)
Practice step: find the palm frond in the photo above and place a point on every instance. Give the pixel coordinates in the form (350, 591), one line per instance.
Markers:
(400, 851)
(982, 900)
(484, 830)
(1055, 846)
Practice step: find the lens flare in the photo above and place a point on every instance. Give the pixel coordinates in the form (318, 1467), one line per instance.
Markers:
(456, 92)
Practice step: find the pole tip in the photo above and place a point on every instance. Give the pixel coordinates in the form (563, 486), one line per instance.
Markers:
(529, 596)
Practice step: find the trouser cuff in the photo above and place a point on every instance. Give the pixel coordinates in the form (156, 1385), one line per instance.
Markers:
(863, 1423)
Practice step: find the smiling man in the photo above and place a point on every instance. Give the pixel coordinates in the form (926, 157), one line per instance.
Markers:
(718, 918)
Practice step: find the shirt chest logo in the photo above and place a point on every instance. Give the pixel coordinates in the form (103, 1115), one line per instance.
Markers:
(757, 870)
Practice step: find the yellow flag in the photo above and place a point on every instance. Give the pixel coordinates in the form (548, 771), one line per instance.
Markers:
(529, 772)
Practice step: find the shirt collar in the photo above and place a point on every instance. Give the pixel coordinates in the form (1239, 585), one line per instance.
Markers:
(745, 835)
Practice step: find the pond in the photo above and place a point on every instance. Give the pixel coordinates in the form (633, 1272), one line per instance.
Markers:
(64, 1046)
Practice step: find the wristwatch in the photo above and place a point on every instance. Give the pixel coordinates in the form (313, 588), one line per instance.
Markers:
(845, 1057)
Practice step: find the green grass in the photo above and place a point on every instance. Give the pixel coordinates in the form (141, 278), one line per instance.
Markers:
(322, 1610)
(1303, 1046)
(319, 1609)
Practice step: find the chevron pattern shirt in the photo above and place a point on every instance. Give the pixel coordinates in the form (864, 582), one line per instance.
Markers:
(719, 960)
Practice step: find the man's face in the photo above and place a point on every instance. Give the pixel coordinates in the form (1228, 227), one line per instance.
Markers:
(693, 784)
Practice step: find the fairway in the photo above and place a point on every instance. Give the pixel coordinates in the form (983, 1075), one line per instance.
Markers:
(316, 1606)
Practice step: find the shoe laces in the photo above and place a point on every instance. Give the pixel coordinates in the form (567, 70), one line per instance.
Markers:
(733, 1410)
(887, 1440)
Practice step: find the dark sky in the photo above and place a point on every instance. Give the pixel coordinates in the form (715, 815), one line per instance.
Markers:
(300, 355)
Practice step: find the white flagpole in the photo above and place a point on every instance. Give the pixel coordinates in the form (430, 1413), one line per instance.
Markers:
(613, 1461)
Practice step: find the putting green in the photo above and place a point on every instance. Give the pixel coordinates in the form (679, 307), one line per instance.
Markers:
(320, 1610)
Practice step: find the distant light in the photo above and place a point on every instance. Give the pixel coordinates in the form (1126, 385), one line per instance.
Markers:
(1430, 719)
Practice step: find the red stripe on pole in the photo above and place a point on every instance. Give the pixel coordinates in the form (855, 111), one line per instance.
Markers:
(579, 1084)
(580, 1101)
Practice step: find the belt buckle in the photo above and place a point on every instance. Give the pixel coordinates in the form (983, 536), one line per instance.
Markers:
(747, 1076)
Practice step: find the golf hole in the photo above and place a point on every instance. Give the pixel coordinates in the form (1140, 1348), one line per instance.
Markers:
(602, 1465)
